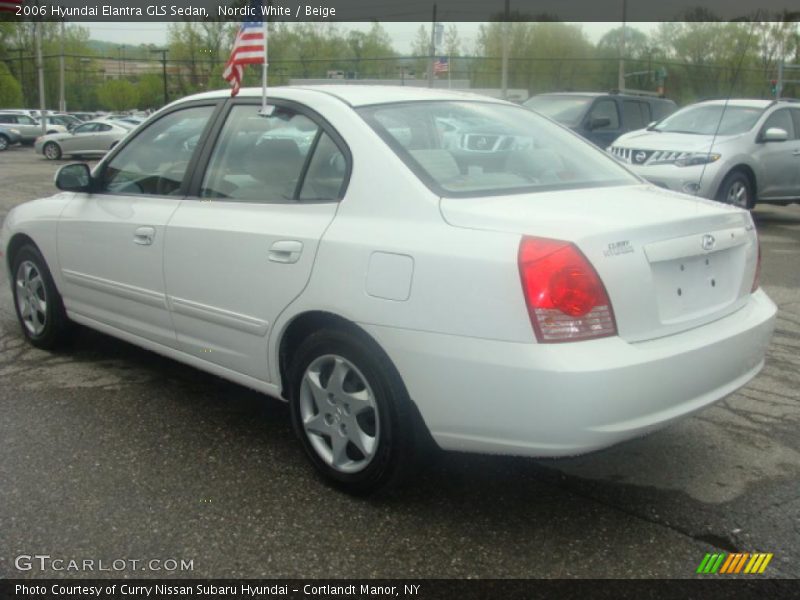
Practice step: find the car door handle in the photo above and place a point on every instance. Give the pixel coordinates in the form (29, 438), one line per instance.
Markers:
(796, 153)
(144, 236)
(286, 251)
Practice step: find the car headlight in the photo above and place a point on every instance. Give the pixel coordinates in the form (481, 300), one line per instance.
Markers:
(690, 159)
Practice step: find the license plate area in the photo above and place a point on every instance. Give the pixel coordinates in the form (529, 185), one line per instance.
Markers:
(692, 286)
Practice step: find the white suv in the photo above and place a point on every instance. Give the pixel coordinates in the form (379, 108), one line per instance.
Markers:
(736, 151)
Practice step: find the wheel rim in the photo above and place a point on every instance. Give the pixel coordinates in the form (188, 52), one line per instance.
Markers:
(51, 151)
(339, 413)
(31, 298)
(737, 194)
(3, 143)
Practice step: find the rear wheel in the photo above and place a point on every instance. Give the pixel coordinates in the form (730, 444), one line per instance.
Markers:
(737, 189)
(38, 304)
(4, 142)
(52, 151)
(351, 412)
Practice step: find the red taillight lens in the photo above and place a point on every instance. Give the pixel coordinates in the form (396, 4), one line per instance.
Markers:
(566, 298)
(757, 276)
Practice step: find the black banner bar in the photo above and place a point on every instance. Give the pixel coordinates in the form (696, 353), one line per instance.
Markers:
(412, 10)
(734, 588)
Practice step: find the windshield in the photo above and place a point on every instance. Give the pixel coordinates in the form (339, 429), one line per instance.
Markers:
(482, 148)
(564, 109)
(708, 119)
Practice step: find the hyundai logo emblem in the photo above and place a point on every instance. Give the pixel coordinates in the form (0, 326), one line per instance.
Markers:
(640, 157)
(709, 241)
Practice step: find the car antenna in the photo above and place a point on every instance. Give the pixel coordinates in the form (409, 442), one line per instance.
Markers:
(728, 96)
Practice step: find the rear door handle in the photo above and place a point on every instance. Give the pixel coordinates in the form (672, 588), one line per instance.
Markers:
(144, 236)
(286, 251)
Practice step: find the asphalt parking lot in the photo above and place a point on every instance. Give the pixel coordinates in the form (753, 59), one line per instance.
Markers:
(110, 452)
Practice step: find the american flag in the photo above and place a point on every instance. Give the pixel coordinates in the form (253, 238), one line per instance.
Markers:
(441, 65)
(10, 5)
(249, 48)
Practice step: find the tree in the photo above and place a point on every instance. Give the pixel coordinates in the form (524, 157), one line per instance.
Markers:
(10, 89)
(150, 90)
(452, 42)
(118, 95)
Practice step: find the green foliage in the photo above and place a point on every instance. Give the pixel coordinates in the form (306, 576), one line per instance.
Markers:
(118, 95)
(10, 89)
(150, 90)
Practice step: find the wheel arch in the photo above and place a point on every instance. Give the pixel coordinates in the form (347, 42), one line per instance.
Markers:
(749, 172)
(17, 241)
(299, 328)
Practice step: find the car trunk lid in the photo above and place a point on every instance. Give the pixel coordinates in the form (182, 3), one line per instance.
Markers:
(668, 261)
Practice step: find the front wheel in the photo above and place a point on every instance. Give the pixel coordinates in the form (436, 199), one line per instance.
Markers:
(52, 151)
(4, 142)
(737, 190)
(39, 307)
(351, 412)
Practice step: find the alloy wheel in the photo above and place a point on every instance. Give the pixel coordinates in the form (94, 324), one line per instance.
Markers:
(31, 297)
(339, 414)
(51, 151)
(738, 194)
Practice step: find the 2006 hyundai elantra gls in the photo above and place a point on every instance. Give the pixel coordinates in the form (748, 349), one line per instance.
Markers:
(513, 291)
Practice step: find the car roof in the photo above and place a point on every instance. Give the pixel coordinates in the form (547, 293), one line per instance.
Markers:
(360, 95)
(743, 102)
(645, 97)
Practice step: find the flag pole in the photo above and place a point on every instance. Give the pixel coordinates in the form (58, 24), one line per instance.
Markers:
(264, 69)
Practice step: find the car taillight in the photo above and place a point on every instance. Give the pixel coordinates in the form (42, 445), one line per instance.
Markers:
(757, 275)
(566, 299)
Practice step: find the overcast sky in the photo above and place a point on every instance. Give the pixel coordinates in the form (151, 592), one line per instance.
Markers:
(402, 34)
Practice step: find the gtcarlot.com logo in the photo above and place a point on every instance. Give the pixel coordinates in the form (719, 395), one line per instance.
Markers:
(45, 562)
(738, 563)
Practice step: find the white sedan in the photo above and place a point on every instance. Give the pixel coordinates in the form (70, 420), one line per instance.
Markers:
(536, 299)
(92, 138)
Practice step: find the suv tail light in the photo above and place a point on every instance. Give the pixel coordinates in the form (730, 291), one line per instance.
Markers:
(757, 275)
(566, 299)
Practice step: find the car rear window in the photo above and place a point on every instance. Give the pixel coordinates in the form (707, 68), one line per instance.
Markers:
(478, 148)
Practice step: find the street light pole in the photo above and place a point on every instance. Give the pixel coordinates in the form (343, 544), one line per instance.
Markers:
(163, 52)
(62, 103)
(40, 68)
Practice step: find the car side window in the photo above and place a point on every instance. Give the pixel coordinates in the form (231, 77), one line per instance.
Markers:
(258, 158)
(632, 116)
(23, 120)
(605, 109)
(102, 127)
(155, 161)
(88, 128)
(796, 117)
(782, 119)
(326, 173)
(7, 119)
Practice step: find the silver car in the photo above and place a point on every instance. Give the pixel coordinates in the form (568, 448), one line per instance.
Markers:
(8, 137)
(92, 138)
(736, 151)
(28, 127)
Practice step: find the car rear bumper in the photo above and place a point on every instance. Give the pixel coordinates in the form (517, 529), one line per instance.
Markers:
(487, 396)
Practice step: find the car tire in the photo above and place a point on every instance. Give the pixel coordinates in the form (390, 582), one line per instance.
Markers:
(37, 303)
(351, 412)
(737, 190)
(51, 151)
(4, 142)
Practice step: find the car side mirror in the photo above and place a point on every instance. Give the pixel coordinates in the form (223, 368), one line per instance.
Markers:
(599, 123)
(74, 178)
(775, 134)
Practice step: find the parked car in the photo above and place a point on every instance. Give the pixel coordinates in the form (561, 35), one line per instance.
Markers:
(68, 121)
(8, 137)
(736, 151)
(28, 127)
(92, 138)
(83, 116)
(601, 118)
(550, 305)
